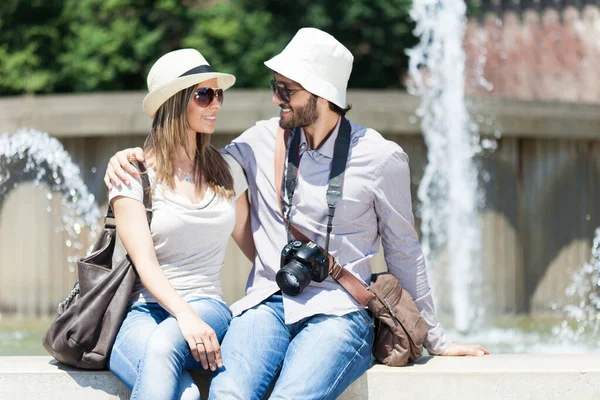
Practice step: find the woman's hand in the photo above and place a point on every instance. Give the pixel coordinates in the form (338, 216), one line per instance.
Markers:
(459, 349)
(119, 164)
(202, 340)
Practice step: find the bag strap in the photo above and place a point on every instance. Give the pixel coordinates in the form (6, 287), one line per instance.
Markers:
(352, 284)
(147, 197)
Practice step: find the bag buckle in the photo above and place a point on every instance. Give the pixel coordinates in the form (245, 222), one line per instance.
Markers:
(335, 270)
(110, 222)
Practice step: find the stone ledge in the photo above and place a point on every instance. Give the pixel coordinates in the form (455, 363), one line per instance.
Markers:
(391, 112)
(492, 377)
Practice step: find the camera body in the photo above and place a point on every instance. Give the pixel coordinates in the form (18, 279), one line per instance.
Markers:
(301, 263)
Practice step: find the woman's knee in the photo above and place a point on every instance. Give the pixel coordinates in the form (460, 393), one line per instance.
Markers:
(166, 349)
(214, 313)
(123, 368)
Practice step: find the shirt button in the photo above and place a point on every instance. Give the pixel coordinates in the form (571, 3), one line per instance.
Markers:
(303, 146)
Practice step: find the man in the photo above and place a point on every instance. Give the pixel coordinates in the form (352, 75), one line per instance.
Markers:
(315, 344)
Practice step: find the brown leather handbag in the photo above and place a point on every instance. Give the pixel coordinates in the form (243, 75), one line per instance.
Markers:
(87, 322)
(400, 330)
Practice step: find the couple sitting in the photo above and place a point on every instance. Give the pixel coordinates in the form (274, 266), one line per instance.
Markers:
(311, 345)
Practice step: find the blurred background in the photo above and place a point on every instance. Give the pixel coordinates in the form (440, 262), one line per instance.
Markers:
(495, 102)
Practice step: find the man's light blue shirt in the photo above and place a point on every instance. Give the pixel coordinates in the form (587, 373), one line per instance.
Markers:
(376, 206)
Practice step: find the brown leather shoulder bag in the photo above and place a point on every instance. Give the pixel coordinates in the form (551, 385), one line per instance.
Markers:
(87, 322)
(400, 330)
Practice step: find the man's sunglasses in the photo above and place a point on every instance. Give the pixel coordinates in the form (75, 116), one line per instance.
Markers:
(205, 96)
(283, 93)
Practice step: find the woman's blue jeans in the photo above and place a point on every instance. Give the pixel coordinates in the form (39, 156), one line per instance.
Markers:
(150, 355)
(315, 358)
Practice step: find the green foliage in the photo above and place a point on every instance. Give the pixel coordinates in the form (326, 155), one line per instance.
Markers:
(377, 32)
(108, 45)
(99, 45)
(29, 33)
(237, 40)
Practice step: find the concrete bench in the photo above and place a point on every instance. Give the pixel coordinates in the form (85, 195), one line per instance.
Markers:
(492, 377)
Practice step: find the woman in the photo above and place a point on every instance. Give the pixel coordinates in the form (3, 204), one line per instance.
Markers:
(177, 317)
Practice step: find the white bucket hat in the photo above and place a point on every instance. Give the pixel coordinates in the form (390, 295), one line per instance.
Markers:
(318, 62)
(178, 70)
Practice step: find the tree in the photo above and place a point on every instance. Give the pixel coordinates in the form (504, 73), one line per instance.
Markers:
(377, 32)
(30, 36)
(100, 45)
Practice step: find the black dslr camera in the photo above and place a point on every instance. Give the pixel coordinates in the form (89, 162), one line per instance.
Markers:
(301, 263)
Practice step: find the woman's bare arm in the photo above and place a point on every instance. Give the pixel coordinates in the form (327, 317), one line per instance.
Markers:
(242, 232)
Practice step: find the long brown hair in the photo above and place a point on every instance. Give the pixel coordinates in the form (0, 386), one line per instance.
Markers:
(170, 130)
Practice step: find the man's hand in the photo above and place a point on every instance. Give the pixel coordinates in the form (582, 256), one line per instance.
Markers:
(458, 349)
(119, 164)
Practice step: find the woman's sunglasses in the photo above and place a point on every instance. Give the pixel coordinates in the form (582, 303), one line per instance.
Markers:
(283, 93)
(205, 96)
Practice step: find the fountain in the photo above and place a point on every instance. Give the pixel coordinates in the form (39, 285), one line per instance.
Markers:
(583, 312)
(30, 155)
(449, 192)
(451, 200)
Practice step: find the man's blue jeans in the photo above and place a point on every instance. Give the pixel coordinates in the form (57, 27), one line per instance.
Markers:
(315, 358)
(150, 355)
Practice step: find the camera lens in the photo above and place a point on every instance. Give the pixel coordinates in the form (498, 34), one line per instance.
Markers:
(293, 277)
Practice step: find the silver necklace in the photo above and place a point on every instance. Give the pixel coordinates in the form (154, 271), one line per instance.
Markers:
(187, 176)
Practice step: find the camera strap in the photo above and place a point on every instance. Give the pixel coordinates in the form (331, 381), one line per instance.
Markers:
(291, 178)
(336, 174)
(334, 193)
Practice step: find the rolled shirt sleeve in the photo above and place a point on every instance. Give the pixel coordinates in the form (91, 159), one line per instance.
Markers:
(402, 249)
(133, 190)
(240, 183)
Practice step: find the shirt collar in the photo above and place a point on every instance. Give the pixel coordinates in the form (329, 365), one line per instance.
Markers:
(327, 148)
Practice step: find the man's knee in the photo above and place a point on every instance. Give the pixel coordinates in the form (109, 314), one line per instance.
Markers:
(190, 393)
(188, 390)
(353, 328)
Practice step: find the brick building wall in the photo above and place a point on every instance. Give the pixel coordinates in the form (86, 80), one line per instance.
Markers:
(535, 50)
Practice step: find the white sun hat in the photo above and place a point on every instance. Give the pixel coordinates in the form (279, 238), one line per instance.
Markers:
(178, 70)
(318, 62)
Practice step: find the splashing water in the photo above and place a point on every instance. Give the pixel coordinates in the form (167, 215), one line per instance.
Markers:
(583, 315)
(30, 155)
(449, 192)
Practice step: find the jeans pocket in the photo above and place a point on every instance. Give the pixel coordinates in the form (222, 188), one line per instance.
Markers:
(367, 317)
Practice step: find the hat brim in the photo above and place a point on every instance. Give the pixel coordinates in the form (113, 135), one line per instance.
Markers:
(158, 96)
(314, 84)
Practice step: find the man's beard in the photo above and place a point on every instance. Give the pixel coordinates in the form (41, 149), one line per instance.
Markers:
(301, 116)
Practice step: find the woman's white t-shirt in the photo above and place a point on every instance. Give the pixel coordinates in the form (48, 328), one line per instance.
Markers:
(190, 240)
